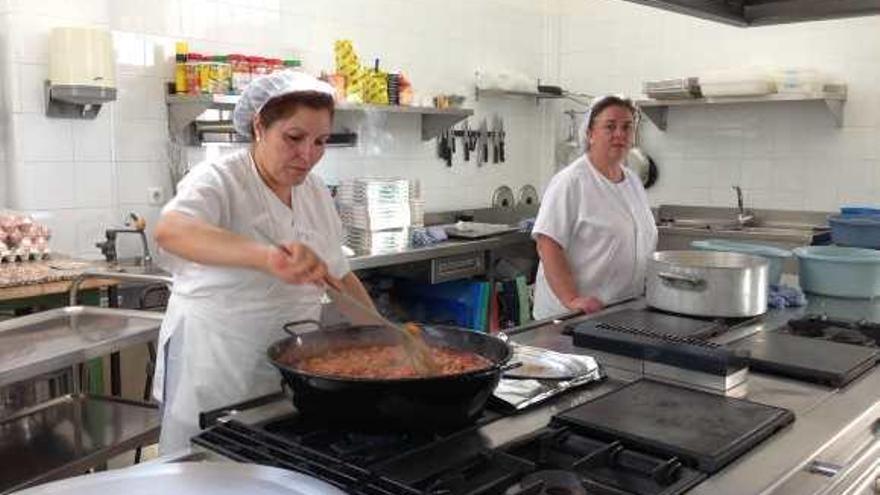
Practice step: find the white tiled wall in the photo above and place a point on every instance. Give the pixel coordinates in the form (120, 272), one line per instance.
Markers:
(784, 155)
(83, 176)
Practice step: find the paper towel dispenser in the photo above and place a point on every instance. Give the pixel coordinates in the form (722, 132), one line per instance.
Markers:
(81, 72)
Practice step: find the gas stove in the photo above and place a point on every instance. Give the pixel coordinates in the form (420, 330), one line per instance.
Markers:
(635, 439)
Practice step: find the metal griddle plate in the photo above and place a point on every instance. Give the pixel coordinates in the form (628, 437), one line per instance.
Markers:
(661, 323)
(185, 478)
(705, 430)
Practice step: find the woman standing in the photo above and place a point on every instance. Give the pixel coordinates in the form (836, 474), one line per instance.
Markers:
(232, 290)
(594, 230)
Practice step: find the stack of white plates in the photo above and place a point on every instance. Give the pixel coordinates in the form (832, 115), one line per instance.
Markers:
(378, 242)
(374, 218)
(374, 191)
(377, 212)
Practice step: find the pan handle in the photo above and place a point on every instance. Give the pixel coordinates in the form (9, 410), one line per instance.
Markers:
(510, 366)
(682, 281)
(289, 325)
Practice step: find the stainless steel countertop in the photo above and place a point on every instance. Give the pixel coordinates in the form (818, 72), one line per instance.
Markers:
(50, 340)
(831, 425)
(446, 248)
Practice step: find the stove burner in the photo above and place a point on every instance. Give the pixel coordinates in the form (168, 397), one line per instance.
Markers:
(847, 336)
(552, 482)
(855, 332)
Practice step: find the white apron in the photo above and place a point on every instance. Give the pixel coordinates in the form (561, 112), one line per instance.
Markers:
(217, 351)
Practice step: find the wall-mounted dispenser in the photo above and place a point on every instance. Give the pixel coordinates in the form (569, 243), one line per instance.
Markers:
(81, 72)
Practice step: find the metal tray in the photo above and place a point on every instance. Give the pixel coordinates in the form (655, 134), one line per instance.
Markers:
(197, 478)
(44, 342)
(541, 364)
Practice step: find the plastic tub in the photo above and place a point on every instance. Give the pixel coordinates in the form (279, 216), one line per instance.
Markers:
(856, 230)
(859, 210)
(776, 256)
(839, 271)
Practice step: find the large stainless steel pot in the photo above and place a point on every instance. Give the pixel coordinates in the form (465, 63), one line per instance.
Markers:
(704, 283)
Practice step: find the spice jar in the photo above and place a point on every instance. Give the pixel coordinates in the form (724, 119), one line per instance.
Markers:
(241, 72)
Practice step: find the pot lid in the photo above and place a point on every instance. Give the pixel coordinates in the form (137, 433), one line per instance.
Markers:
(185, 478)
(528, 195)
(503, 197)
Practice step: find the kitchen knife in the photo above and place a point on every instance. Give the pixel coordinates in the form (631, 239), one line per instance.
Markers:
(501, 139)
(466, 141)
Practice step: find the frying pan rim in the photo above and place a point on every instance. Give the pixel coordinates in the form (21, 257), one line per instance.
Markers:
(493, 368)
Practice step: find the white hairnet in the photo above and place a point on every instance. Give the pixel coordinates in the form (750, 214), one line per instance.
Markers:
(265, 88)
(582, 136)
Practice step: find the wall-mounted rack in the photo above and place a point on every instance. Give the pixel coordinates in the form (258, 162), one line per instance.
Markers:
(185, 110)
(657, 110)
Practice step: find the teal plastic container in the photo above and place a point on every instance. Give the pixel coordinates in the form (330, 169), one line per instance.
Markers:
(839, 271)
(776, 256)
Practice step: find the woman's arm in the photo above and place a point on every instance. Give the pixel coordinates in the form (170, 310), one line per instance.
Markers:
(560, 278)
(199, 241)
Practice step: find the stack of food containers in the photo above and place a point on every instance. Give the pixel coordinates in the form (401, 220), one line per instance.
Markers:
(377, 213)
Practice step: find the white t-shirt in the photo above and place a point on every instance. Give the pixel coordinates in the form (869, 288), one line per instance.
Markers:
(606, 230)
(230, 194)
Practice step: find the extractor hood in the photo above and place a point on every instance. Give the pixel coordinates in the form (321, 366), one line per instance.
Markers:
(745, 13)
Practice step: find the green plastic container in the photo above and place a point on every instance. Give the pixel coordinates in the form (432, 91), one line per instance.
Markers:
(839, 271)
(776, 256)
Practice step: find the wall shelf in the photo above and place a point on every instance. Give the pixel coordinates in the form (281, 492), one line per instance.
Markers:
(184, 109)
(657, 110)
(537, 95)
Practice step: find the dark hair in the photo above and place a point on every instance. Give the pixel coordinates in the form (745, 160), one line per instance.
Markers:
(284, 106)
(611, 101)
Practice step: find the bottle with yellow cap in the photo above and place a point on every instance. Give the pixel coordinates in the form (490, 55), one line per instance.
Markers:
(180, 51)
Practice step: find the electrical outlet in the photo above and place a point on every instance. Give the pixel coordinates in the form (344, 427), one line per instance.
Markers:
(156, 195)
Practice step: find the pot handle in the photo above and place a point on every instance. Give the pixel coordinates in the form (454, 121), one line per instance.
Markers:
(289, 325)
(682, 281)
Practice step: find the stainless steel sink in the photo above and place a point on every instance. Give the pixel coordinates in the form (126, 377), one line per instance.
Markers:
(678, 226)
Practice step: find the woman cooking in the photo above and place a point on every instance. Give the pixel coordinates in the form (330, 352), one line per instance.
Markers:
(594, 230)
(233, 290)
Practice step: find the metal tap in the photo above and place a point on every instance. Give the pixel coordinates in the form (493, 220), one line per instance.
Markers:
(108, 246)
(743, 217)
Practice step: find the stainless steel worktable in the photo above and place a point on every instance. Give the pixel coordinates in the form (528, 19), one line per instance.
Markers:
(446, 248)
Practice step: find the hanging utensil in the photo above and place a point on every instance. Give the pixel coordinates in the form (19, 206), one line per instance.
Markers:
(466, 140)
(569, 149)
(639, 161)
(501, 139)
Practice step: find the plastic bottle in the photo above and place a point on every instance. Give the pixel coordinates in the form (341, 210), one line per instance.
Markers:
(193, 79)
(292, 64)
(180, 52)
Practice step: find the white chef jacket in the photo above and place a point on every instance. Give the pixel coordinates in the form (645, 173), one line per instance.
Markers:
(221, 320)
(606, 230)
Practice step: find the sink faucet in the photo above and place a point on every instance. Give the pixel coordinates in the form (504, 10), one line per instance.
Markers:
(108, 246)
(743, 217)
